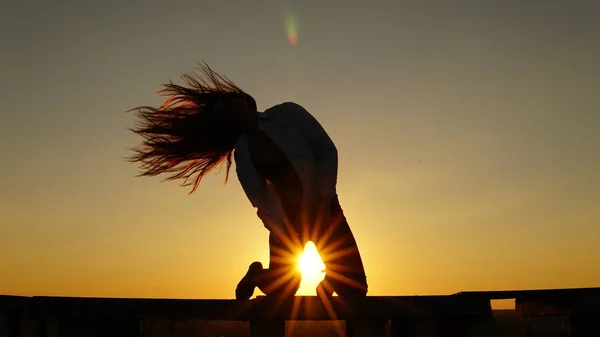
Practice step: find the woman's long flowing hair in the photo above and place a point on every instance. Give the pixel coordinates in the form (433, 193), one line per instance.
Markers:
(186, 137)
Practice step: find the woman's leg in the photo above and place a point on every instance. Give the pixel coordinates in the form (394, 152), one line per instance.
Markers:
(283, 277)
(245, 288)
(345, 273)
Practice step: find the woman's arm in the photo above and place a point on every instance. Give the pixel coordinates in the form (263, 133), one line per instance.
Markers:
(256, 189)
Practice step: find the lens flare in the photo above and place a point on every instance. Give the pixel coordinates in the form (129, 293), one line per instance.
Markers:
(291, 29)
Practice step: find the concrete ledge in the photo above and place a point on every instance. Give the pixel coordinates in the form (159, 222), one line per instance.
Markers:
(297, 308)
(462, 314)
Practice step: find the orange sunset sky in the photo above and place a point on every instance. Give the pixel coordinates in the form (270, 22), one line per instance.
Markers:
(467, 135)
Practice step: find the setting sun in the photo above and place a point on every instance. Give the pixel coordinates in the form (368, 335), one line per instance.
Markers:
(312, 268)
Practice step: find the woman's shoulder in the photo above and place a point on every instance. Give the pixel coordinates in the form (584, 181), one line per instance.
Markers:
(285, 106)
(287, 110)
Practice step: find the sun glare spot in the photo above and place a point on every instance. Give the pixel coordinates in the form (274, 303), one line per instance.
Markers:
(311, 266)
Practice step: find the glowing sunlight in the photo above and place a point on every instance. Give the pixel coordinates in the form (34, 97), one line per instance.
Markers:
(312, 268)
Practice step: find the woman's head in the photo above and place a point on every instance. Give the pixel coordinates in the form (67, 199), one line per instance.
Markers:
(195, 129)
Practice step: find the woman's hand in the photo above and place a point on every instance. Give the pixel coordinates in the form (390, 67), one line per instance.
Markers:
(280, 227)
(269, 221)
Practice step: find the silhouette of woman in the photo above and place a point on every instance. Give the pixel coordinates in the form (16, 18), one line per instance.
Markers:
(285, 162)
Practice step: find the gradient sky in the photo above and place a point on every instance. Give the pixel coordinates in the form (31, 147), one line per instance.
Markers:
(467, 134)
